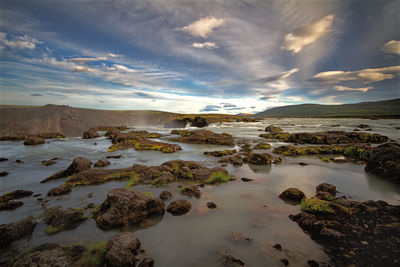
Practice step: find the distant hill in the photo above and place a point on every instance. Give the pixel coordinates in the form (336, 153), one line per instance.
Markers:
(379, 109)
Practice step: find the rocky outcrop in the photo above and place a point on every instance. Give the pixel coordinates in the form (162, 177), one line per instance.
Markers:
(204, 137)
(79, 164)
(190, 191)
(292, 195)
(59, 190)
(109, 128)
(273, 129)
(260, 158)
(385, 162)
(125, 207)
(6, 202)
(59, 220)
(220, 153)
(16, 230)
(31, 140)
(199, 122)
(102, 163)
(262, 145)
(179, 207)
(329, 137)
(89, 134)
(352, 233)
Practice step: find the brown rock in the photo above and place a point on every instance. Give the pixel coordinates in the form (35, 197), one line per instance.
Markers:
(89, 134)
(179, 207)
(33, 140)
(16, 230)
(211, 205)
(79, 164)
(59, 190)
(165, 195)
(292, 194)
(102, 163)
(326, 188)
(273, 129)
(191, 191)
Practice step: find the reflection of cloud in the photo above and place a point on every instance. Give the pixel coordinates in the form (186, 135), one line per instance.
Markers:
(209, 45)
(392, 47)
(307, 34)
(365, 76)
(211, 108)
(20, 42)
(203, 27)
(344, 88)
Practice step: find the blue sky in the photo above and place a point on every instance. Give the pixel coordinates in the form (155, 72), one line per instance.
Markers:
(198, 56)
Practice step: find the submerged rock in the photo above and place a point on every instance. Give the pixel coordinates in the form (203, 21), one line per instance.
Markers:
(262, 145)
(179, 207)
(114, 156)
(124, 207)
(16, 230)
(79, 164)
(51, 135)
(260, 158)
(89, 134)
(165, 195)
(59, 220)
(292, 194)
(385, 162)
(204, 137)
(6, 202)
(190, 191)
(102, 163)
(3, 159)
(33, 140)
(220, 153)
(228, 259)
(59, 190)
(211, 205)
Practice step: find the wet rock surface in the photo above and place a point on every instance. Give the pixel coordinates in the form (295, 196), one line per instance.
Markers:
(329, 137)
(262, 145)
(220, 153)
(211, 205)
(125, 207)
(59, 190)
(6, 202)
(204, 137)
(90, 134)
(102, 163)
(33, 140)
(79, 164)
(16, 230)
(165, 195)
(352, 233)
(292, 194)
(179, 207)
(385, 162)
(59, 220)
(190, 191)
(260, 158)
(273, 129)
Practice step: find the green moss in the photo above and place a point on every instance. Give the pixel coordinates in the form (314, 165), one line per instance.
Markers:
(93, 256)
(357, 153)
(150, 194)
(51, 230)
(218, 177)
(315, 205)
(132, 181)
(326, 159)
(121, 176)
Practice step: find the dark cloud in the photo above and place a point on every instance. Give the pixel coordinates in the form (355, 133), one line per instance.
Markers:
(211, 108)
(267, 97)
(236, 108)
(228, 105)
(144, 95)
(36, 95)
(102, 102)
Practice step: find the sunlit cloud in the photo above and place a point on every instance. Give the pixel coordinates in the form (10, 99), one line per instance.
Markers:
(307, 34)
(19, 42)
(203, 27)
(86, 59)
(345, 88)
(209, 45)
(392, 47)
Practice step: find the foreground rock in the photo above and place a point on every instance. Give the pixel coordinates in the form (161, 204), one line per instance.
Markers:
(125, 249)
(90, 134)
(292, 195)
(262, 145)
(329, 137)
(102, 163)
(33, 140)
(59, 220)
(203, 137)
(6, 202)
(352, 233)
(385, 162)
(79, 164)
(125, 207)
(179, 207)
(16, 230)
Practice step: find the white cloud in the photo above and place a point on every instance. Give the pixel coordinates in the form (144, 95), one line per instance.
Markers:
(209, 45)
(392, 47)
(295, 98)
(20, 42)
(113, 55)
(365, 76)
(344, 88)
(308, 34)
(87, 59)
(82, 69)
(203, 27)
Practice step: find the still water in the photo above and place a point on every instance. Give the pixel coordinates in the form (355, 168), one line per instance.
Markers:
(251, 208)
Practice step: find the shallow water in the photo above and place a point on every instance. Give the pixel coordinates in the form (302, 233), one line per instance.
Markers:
(252, 208)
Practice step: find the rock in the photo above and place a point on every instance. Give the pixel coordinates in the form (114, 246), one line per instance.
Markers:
(239, 237)
(114, 156)
(19, 161)
(59, 190)
(59, 220)
(205, 137)
(146, 262)
(273, 129)
(259, 158)
(292, 194)
(244, 179)
(3, 159)
(89, 134)
(220, 153)
(48, 162)
(102, 163)
(302, 164)
(285, 262)
(211, 205)
(122, 249)
(3, 173)
(79, 164)
(199, 122)
(262, 145)
(246, 148)
(125, 207)
(190, 191)
(179, 207)
(362, 126)
(385, 162)
(165, 195)
(229, 260)
(33, 140)
(277, 247)
(235, 160)
(16, 230)
(326, 188)
(16, 194)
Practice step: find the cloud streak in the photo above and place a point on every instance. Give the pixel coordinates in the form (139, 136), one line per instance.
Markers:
(392, 47)
(19, 42)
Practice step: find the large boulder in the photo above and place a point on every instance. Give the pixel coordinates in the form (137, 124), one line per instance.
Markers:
(292, 194)
(16, 230)
(259, 158)
(179, 207)
(124, 207)
(89, 134)
(326, 188)
(385, 162)
(79, 164)
(199, 122)
(273, 129)
(122, 249)
(58, 220)
(205, 137)
(33, 140)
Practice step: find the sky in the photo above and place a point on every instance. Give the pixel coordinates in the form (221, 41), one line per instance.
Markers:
(198, 56)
